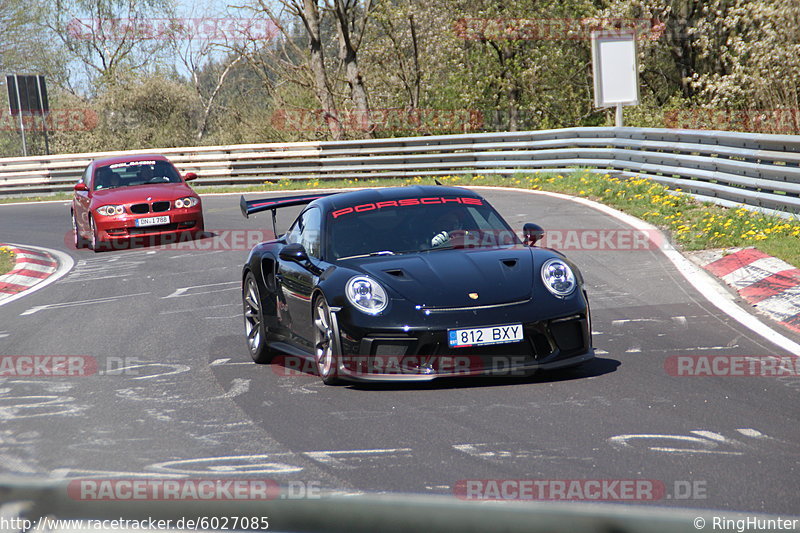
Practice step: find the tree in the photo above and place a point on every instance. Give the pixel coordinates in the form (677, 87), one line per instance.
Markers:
(106, 36)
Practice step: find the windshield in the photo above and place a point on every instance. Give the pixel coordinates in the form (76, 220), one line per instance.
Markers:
(135, 173)
(408, 226)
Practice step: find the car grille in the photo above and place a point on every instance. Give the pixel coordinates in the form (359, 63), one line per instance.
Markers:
(157, 207)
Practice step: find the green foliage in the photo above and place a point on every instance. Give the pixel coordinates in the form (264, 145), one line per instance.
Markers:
(719, 64)
(7, 260)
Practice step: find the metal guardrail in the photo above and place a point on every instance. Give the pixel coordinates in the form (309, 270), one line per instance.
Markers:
(729, 168)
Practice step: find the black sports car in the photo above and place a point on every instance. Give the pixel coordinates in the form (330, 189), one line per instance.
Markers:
(411, 283)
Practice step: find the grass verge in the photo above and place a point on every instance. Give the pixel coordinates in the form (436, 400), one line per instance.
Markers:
(7, 260)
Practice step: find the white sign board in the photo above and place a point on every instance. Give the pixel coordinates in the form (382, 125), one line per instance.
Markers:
(616, 69)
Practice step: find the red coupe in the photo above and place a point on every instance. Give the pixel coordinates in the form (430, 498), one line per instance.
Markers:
(120, 198)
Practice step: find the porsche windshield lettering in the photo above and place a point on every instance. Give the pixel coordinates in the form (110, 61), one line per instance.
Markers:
(405, 202)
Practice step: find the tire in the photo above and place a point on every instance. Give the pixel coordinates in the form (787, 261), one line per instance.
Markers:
(326, 343)
(95, 243)
(254, 327)
(77, 240)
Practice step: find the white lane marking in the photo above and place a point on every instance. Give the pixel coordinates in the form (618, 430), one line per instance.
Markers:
(698, 278)
(634, 349)
(65, 264)
(41, 202)
(685, 450)
(691, 349)
(12, 407)
(751, 433)
(618, 323)
(238, 386)
(217, 362)
(329, 457)
(221, 317)
(711, 435)
(708, 441)
(231, 464)
(184, 290)
(195, 254)
(173, 369)
(598, 351)
(194, 309)
(3, 334)
(73, 473)
(62, 305)
(516, 451)
(624, 441)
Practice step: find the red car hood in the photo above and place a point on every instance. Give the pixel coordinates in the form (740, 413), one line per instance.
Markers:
(140, 193)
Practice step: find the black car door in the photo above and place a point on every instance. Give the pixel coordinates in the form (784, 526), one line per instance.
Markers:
(296, 282)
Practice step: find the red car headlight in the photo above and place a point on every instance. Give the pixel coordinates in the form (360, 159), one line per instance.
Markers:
(189, 201)
(111, 210)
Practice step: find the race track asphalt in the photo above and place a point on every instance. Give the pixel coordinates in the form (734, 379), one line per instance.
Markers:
(177, 393)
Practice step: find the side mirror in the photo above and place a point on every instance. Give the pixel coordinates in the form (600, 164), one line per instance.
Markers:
(189, 176)
(533, 233)
(294, 252)
(81, 186)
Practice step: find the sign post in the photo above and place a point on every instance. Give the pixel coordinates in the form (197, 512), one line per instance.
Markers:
(616, 70)
(28, 94)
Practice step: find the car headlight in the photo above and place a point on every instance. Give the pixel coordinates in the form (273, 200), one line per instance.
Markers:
(111, 210)
(558, 277)
(366, 295)
(189, 201)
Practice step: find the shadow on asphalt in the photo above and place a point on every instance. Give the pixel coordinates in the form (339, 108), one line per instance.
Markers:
(288, 366)
(596, 367)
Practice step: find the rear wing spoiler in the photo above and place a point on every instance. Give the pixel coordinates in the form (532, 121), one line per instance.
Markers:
(250, 207)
